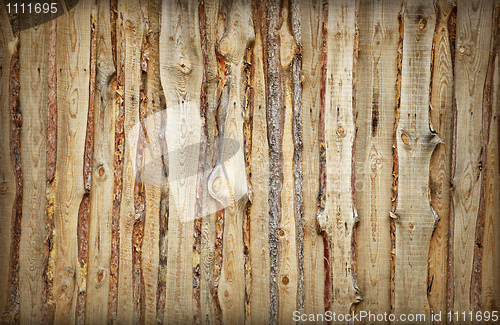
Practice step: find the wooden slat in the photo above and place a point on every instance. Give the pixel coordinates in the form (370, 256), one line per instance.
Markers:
(181, 72)
(101, 196)
(130, 39)
(474, 22)
(73, 54)
(259, 208)
(338, 217)
(150, 64)
(228, 185)
(490, 296)
(375, 109)
(311, 30)
(441, 117)
(33, 77)
(288, 270)
(414, 217)
(7, 181)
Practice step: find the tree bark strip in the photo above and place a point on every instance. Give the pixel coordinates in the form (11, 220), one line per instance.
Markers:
(339, 216)
(414, 217)
(473, 43)
(375, 109)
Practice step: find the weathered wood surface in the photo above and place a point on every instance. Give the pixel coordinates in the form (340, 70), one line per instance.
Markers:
(206, 161)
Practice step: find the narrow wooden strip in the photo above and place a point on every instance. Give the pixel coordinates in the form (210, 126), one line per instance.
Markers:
(311, 22)
(118, 157)
(375, 102)
(441, 118)
(48, 304)
(181, 76)
(474, 24)
(150, 245)
(131, 210)
(490, 293)
(259, 166)
(11, 310)
(34, 45)
(73, 55)
(414, 217)
(101, 197)
(339, 217)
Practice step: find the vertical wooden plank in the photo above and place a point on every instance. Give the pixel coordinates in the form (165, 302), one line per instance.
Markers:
(228, 181)
(337, 217)
(101, 195)
(474, 22)
(33, 59)
(181, 72)
(375, 109)
(259, 207)
(7, 179)
(73, 54)
(414, 217)
(490, 296)
(150, 97)
(130, 40)
(311, 29)
(288, 270)
(441, 117)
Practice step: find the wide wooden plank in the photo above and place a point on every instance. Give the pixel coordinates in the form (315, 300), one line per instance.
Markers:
(7, 180)
(474, 22)
(441, 118)
(311, 25)
(101, 191)
(181, 72)
(414, 217)
(337, 217)
(73, 54)
(375, 103)
(33, 59)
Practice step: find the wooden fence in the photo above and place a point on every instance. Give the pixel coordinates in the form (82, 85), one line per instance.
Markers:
(346, 160)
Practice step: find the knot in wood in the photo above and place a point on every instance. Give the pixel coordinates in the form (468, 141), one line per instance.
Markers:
(184, 65)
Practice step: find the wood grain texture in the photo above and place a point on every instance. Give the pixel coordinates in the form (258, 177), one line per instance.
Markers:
(311, 33)
(338, 218)
(490, 296)
(130, 40)
(101, 195)
(414, 217)
(259, 207)
(375, 109)
(441, 118)
(228, 181)
(474, 22)
(34, 44)
(181, 71)
(73, 54)
(7, 181)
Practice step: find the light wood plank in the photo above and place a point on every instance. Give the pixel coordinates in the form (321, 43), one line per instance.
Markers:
(375, 103)
(474, 22)
(414, 217)
(33, 61)
(339, 216)
(73, 54)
